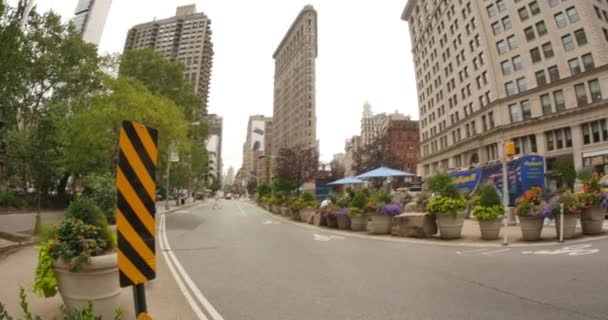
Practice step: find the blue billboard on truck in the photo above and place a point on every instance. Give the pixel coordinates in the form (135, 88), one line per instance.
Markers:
(522, 173)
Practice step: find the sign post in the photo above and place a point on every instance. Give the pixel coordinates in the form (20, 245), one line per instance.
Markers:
(509, 151)
(136, 209)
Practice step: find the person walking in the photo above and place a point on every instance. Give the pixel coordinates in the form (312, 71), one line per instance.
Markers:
(216, 203)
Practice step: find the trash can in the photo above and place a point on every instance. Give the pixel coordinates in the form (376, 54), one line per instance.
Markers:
(183, 201)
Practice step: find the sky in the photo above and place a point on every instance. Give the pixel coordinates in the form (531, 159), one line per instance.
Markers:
(364, 55)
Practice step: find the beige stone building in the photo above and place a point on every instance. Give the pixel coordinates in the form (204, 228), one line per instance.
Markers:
(185, 38)
(350, 148)
(257, 149)
(294, 115)
(374, 126)
(531, 71)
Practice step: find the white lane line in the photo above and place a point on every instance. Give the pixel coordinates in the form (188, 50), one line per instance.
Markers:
(241, 209)
(470, 251)
(495, 251)
(180, 283)
(206, 304)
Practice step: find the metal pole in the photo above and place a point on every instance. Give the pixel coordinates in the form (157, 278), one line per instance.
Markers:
(505, 201)
(168, 172)
(561, 223)
(139, 298)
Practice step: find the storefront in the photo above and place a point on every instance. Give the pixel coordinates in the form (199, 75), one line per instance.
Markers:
(598, 160)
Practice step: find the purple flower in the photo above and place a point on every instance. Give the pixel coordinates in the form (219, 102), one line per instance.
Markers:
(340, 213)
(546, 212)
(392, 209)
(604, 203)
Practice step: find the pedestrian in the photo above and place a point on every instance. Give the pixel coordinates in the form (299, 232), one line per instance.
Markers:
(216, 203)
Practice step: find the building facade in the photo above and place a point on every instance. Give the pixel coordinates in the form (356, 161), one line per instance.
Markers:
(351, 146)
(257, 149)
(185, 38)
(213, 157)
(532, 72)
(90, 18)
(404, 143)
(229, 178)
(216, 128)
(294, 109)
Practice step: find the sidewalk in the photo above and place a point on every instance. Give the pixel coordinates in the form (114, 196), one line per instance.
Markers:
(164, 298)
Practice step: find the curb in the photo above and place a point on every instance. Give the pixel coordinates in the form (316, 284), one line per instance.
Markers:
(182, 207)
(437, 242)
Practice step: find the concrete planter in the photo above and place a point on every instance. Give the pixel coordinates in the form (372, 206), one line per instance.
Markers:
(569, 225)
(285, 211)
(343, 222)
(319, 220)
(450, 227)
(294, 214)
(531, 228)
(379, 224)
(275, 209)
(96, 282)
(358, 223)
(490, 229)
(332, 222)
(306, 213)
(592, 221)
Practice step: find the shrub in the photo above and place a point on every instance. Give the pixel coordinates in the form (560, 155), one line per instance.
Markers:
(592, 194)
(359, 200)
(442, 184)
(571, 204)
(344, 201)
(354, 211)
(101, 189)
(446, 205)
(307, 196)
(531, 204)
(488, 196)
(264, 190)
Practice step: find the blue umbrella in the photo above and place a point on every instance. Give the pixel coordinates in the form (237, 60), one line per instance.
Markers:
(346, 180)
(384, 172)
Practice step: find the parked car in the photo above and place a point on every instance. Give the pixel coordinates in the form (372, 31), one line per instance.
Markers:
(228, 196)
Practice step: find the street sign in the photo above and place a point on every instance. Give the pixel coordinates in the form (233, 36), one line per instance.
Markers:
(136, 203)
(173, 154)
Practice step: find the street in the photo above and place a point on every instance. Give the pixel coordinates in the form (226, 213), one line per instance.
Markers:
(249, 264)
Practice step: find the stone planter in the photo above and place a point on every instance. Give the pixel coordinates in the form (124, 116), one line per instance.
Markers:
(592, 221)
(569, 225)
(332, 222)
(358, 223)
(285, 211)
(490, 229)
(96, 282)
(379, 224)
(531, 228)
(343, 222)
(319, 219)
(294, 214)
(276, 209)
(306, 213)
(450, 227)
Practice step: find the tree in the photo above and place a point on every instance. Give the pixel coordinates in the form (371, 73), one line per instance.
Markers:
(297, 164)
(337, 169)
(564, 167)
(375, 154)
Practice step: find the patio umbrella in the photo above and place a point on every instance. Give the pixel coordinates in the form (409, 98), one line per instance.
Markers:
(346, 180)
(384, 172)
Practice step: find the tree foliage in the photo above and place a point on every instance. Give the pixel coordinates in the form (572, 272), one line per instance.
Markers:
(337, 169)
(297, 164)
(375, 154)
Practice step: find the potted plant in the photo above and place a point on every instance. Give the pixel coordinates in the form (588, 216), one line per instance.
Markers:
(79, 261)
(305, 206)
(358, 219)
(532, 211)
(332, 222)
(274, 204)
(342, 218)
(594, 203)
(447, 205)
(286, 208)
(379, 221)
(572, 212)
(488, 210)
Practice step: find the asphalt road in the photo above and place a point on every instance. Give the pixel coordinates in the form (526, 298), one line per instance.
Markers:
(251, 265)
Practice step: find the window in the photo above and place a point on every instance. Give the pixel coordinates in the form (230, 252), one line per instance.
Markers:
(529, 31)
(586, 133)
(553, 73)
(501, 46)
(491, 10)
(560, 102)
(581, 94)
(541, 28)
(510, 88)
(549, 138)
(545, 102)
(491, 119)
(506, 67)
(517, 63)
(496, 28)
(568, 135)
(514, 111)
(534, 8)
(581, 37)
(525, 110)
(568, 43)
(548, 50)
(522, 84)
(535, 54)
(512, 42)
(501, 5)
(572, 14)
(560, 20)
(541, 79)
(506, 23)
(596, 91)
(523, 13)
(575, 67)
(553, 3)
(559, 139)
(588, 61)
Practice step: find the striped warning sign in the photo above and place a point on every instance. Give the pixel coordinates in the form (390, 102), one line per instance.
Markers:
(144, 316)
(136, 203)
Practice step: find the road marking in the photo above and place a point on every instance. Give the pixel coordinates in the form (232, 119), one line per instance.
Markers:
(172, 261)
(322, 237)
(495, 251)
(470, 251)
(270, 222)
(577, 250)
(241, 209)
(182, 211)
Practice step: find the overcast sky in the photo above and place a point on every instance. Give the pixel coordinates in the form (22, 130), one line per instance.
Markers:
(364, 54)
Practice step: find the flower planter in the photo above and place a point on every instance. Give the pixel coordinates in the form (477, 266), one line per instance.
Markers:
(358, 223)
(332, 222)
(490, 229)
(96, 282)
(343, 222)
(294, 214)
(379, 224)
(531, 228)
(306, 213)
(450, 227)
(569, 225)
(592, 221)
(319, 219)
(285, 211)
(276, 209)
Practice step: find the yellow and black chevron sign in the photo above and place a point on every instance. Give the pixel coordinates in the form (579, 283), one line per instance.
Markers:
(136, 203)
